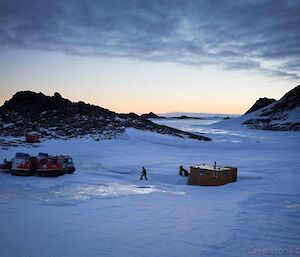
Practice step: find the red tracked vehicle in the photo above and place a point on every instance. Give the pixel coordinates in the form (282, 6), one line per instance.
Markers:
(5, 166)
(48, 166)
(23, 165)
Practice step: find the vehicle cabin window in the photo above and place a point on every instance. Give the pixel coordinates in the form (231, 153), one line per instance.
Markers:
(43, 161)
(202, 173)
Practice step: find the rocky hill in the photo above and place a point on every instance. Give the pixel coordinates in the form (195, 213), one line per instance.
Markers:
(261, 103)
(151, 115)
(57, 117)
(283, 114)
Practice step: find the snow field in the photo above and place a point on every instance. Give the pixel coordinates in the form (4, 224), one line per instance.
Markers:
(103, 209)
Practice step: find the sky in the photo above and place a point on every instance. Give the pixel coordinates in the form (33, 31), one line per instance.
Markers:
(161, 56)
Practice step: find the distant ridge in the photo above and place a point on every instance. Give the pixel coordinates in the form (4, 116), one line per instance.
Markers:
(197, 115)
(151, 115)
(57, 117)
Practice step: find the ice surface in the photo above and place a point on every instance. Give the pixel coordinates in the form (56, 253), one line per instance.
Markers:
(104, 209)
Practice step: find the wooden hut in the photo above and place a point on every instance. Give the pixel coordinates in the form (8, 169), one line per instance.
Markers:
(32, 138)
(206, 175)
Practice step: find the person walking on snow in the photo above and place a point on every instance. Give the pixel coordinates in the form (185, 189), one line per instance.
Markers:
(144, 173)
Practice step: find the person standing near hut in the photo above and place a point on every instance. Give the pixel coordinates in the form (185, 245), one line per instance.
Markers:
(186, 173)
(144, 173)
(181, 170)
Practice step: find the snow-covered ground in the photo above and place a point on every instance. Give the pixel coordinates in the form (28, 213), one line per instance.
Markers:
(103, 209)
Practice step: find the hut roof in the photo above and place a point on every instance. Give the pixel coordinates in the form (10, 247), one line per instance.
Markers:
(212, 167)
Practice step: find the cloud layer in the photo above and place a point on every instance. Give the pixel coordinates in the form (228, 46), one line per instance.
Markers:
(259, 35)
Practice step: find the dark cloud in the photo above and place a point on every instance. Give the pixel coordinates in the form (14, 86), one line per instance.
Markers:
(257, 35)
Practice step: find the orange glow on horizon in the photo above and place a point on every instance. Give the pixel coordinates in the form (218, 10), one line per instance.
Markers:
(124, 86)
(141, 108)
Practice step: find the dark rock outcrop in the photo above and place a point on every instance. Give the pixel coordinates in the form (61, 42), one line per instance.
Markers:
(261, 103)
(288, 102)
(279, 116)
(57, 117)
(151, 115)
